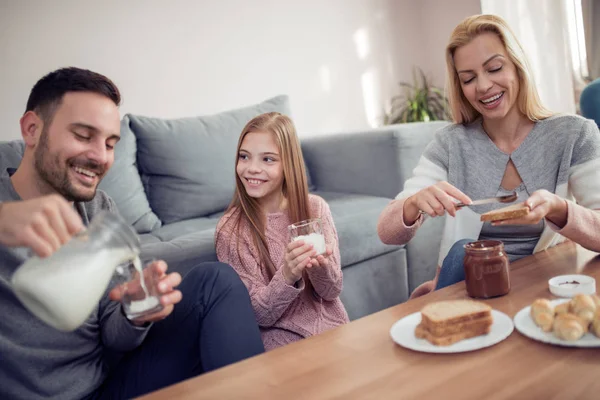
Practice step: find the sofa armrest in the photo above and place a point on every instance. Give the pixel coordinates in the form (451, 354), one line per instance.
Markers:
(375, 162)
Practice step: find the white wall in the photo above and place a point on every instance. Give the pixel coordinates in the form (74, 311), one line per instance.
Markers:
(443, 17)
(338, 60)
(542, 29)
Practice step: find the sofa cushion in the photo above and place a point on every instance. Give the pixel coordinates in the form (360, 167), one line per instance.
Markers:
(375, 284)
(375, 162)
(187, 164)
(124, 184)
(148, 238)
(412, 140)
(355, 217)
(181, 228)
(11, 154)
(216, 215)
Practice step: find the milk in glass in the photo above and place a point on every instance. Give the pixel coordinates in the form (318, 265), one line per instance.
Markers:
(316, 239)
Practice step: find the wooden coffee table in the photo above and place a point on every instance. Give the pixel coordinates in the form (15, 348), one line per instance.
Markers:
(360, 360)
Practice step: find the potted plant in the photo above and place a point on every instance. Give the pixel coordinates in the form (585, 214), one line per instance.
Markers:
(420, 102)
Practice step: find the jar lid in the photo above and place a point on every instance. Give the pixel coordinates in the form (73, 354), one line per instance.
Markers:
(484, 245)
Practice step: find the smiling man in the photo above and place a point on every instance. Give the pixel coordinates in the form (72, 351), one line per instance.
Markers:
(68, 158)
(69, 139)
(70, 127)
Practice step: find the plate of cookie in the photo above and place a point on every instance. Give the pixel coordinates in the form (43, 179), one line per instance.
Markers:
(564, 322)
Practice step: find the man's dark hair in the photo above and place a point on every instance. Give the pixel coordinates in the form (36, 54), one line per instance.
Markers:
(48, 92)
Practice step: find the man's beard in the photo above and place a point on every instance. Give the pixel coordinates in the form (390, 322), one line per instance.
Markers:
(55, 175)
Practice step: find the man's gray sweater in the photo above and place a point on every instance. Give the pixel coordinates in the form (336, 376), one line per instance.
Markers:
(37, 361)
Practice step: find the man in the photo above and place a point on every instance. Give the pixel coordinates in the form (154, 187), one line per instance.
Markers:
(70, 128)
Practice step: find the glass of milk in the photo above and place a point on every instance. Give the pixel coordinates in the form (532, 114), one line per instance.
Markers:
(309, 231)
(138, 283)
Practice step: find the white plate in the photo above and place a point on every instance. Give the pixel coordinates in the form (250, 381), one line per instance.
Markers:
(527, 327)
(403, 333)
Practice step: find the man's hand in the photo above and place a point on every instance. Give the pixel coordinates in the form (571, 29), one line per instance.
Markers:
(165, 285)
(43, 224)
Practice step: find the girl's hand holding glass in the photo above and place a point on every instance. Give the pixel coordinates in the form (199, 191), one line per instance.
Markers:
(297, 257)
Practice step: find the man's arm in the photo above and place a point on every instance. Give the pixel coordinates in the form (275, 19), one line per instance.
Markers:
(118, 333)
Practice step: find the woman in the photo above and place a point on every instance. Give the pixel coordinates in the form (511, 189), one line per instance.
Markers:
(502, 140)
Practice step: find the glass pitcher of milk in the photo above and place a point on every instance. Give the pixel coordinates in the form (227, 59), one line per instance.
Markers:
(63, 289)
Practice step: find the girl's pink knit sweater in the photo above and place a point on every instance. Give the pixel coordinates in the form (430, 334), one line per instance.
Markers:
(285, 313)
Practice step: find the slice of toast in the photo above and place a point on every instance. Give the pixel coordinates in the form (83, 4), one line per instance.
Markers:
(513, 211)
(445, 330)
(448, 340)
(450, 312)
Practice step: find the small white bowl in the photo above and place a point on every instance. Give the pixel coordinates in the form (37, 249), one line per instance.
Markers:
(570, 285)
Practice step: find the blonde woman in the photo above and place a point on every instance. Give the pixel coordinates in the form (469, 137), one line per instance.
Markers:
(502, 140)
(294, 293)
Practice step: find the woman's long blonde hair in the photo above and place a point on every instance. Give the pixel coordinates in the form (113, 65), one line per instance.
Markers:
(528, 101)
(294, 187)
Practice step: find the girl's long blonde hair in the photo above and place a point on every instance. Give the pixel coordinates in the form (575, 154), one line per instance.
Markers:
(294, 187)
(528, 101)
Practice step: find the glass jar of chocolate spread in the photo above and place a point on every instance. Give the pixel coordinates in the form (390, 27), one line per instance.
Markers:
(486, 269)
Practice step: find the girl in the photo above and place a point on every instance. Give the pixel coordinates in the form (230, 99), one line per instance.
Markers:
(502, 140)
(294, 293)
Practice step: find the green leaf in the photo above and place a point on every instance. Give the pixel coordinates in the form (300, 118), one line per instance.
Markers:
(419, 101)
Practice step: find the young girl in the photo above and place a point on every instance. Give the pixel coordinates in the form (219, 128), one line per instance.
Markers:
(294, 293)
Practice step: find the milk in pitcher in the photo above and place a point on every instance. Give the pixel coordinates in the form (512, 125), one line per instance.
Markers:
(63, 289)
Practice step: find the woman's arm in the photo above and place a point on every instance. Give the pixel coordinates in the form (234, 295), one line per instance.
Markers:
(583, 226)
(579, 220)
(583, 219)
(427, 191)
(392, 228)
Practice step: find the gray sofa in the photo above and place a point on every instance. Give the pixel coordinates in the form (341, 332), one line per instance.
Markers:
(172, 180)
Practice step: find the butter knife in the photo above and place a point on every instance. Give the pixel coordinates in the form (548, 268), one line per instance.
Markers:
(500, 199)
